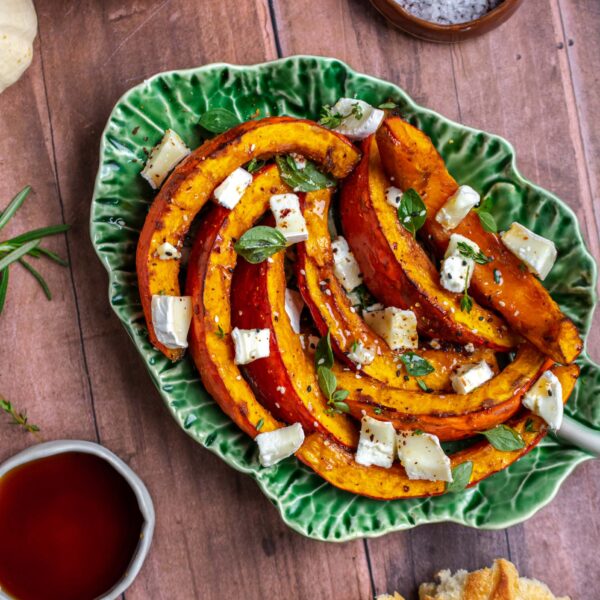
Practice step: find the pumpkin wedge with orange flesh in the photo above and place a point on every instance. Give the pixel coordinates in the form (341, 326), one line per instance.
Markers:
(285, 381)
(332, 310)
(398, 271)
(449, 416)
(412, 161)
(209, 274)
(192, 184)
(337, 466)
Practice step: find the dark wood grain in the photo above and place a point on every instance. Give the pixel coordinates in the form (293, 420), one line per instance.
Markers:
(73, 368)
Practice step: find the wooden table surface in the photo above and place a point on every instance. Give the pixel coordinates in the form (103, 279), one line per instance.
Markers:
(535, 80)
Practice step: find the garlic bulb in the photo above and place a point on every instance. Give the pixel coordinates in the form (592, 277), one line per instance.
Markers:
(18, 28)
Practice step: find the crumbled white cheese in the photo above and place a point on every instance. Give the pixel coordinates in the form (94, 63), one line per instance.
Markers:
(422, 457)
(167, 251)
(457, 207)
(231, 190)
(171, 318)
(545, 399)
(393, 196)
(289, 218)
(293, 308)
(376, 443)
(163, 158)
(274, 446)
(455, 273)
(469, 377)
(397, 327)
(537, 252)
(361, 354)
(250, 344)
(345, 267)
(360, 119)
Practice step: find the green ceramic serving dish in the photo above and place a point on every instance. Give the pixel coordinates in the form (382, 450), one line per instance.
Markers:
(299, 86)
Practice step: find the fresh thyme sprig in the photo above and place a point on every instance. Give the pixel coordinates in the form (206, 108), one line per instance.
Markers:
(18, 418)
(17, 248)
(331, 118)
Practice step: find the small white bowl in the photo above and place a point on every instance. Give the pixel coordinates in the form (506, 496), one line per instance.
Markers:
(143, 497)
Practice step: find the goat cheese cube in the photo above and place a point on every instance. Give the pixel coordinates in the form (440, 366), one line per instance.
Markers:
(457, 207)
(361, 355)
(537, 253)
(345, 267)
(359, 119)
(167, 251)
(456, 273)
(289, 218)
(469, 377)
(376, 444)
(250, 344)
(545, 399)
(230, 192)
(397, 327)
(393, 196)
(274, 446)
(455, 239)
(422, 457)
(163, 158)
(293, 308)
(171, 318)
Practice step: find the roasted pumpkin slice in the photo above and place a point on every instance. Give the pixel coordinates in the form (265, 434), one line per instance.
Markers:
(332, 310)
(285, 381)
(449, 416)
(398, 271)
(337, 466)
(209, 274)
(192, 183)
(410, 158)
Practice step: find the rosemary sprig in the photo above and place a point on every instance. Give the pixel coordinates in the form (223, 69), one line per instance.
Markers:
(17, 248)
(18, 418)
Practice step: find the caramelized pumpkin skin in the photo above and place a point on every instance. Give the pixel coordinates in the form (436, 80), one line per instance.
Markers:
(337, 466)
(332, 310)
(449, 416)
(285, 381)
(398, 271)
(192, 183)
(410, 158)
(209, 274)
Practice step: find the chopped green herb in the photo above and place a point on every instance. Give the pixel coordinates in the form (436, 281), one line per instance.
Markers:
(461, 475)
(412, 211)
(485, 216)
(468, 252)
(354, 346)
(324, 353)
(529, 426)
(504, 438)
(17, 418)
(378, 410)
(466, 302)
(388, 106)
(416, 366)
(522, 267)
(219, 120)
(258, 243)
(423, 385)
(259, 425)
(332, 119)
(418, 432)
(255, 165)
(220, 333)
(307, 179)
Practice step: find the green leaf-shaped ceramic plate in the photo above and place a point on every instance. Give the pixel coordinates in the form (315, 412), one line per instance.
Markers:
(300, 86)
